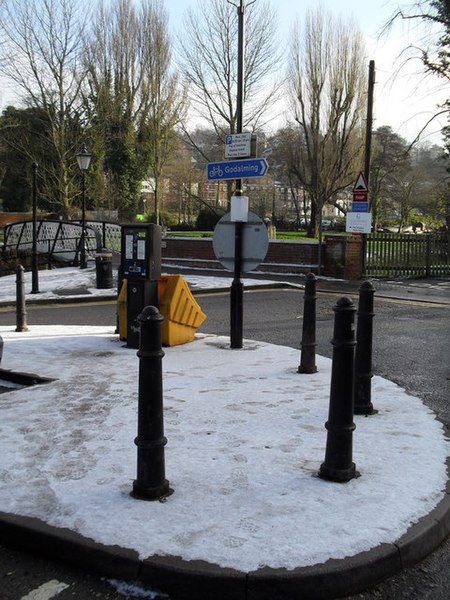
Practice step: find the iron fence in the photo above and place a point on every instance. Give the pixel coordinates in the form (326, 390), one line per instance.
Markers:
(406, 255)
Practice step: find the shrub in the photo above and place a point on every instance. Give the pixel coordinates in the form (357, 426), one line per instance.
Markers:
(166, 219)
(208, 219)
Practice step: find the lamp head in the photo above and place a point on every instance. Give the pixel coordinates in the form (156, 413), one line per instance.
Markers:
(84, 159)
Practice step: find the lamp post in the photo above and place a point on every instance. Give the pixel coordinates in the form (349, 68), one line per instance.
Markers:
(34, 266)
(83, 160)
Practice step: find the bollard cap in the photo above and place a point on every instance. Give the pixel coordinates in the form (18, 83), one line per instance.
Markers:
(343, 304)
(150, 313)
(367, 286)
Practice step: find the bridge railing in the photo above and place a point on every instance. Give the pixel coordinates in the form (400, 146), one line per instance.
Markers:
(110, 234)
(57, 239)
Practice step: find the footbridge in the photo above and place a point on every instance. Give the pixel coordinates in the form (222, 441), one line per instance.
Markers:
(61, 240)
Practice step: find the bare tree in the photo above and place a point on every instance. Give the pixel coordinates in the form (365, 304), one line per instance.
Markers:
(432, 47)
(327, 93)
(40, 43)
(208, 56)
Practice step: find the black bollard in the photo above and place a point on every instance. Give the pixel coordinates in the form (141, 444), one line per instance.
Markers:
(363, 355)
(21, 311)
(308, 346)
(151, 483)
(119, 287)
(338, 465)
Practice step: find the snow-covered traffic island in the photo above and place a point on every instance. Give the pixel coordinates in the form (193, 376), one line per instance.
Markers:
(246, 439)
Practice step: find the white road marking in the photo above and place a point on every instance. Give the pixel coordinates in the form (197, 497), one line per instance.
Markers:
(46, 590)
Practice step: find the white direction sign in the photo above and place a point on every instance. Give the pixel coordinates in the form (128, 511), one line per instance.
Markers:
(238, 145)
(359, 222)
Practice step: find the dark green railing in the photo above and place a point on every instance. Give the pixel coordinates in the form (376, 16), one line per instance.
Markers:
(406, 255)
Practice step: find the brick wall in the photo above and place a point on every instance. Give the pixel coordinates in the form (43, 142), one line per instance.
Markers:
(341, 255)
(282, 256)
(353, 257)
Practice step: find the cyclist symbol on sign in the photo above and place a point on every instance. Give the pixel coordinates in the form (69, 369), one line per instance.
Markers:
(215, 171)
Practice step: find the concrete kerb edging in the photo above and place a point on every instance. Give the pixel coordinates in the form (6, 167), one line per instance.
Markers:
(381, 295)
(113, 297)
(191, 580)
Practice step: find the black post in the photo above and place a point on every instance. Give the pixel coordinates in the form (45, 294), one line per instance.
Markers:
(369, 122)
(368, 144)
(237, 287)
(151, 483)
(237, 292)
(363, 355)
(308, 346)
(83, 264)
(120, 279)
(319, 249)
(428, 256)
(35, 266)
(338, 465)
(21, 311)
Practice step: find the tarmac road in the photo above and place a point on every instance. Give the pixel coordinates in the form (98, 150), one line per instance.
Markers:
(411, 347)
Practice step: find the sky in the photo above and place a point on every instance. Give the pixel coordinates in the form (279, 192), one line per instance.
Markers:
(405, 101)
(246, 439)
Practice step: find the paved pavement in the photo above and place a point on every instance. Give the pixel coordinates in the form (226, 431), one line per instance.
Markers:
(434, 291)
(199, 580)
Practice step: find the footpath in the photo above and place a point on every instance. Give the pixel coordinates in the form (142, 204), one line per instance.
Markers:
(249, 519)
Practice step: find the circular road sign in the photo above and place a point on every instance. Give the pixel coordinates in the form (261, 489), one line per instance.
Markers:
(255, 242)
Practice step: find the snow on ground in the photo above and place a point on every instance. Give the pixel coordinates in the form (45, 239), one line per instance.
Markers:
(57, 283)
(246, 439)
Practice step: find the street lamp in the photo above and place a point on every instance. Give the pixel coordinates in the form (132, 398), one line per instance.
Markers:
(83, 160)
(34, 265)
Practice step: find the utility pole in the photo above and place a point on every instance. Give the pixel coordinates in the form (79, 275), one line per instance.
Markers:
(369, 121)
(368, 146)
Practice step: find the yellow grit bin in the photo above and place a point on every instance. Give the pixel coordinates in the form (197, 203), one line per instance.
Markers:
(181, 312)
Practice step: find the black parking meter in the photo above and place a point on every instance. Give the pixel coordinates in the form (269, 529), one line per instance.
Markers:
(141, 267)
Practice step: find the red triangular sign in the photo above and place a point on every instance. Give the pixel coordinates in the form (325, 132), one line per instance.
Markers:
(360, 184)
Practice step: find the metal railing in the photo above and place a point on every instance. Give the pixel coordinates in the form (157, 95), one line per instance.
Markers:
(110, 234)
(406, 255)
(57, 239)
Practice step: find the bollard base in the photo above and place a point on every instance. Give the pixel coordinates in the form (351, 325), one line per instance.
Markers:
(151, 493)
(365, 409)
(307, 370)
(338, 475)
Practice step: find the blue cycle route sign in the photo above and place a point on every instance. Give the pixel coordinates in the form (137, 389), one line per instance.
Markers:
(237, 169)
